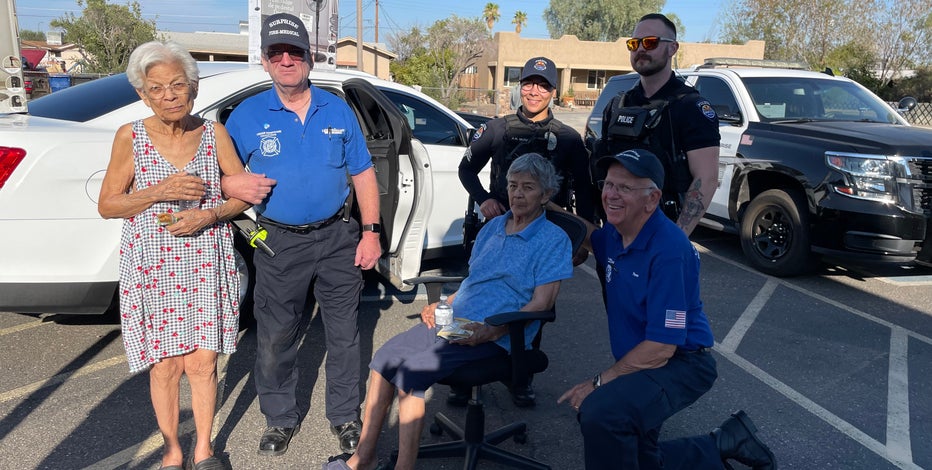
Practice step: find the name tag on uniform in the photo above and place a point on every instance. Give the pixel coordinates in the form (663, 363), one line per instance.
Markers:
(330, 131)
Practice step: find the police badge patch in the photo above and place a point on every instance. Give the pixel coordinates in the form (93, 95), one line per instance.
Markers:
(478, 133)
(706, 109)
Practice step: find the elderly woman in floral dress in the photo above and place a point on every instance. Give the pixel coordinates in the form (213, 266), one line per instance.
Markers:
(179, 288)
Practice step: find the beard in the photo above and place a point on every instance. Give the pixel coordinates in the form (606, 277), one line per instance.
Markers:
(646, 66)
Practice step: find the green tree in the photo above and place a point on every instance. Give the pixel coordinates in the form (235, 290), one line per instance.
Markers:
(599, 20)
(520, 20)
(30, 35)
(801, 30)
(437, 58)
(889, 35)
(490, 15)
(106, 33)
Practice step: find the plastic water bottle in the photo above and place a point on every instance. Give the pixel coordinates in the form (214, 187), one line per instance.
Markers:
(443, 314)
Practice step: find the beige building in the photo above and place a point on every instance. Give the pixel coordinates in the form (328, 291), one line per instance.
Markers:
(584, 66)
(235, 47)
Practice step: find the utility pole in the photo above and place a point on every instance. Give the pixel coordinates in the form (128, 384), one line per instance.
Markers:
(375, 47)
(359, 35)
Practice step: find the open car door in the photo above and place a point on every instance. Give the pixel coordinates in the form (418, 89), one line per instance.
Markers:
(402, 169)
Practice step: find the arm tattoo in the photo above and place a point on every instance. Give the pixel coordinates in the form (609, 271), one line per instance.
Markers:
(693, 208)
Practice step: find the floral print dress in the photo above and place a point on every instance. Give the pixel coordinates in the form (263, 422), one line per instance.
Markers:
(177, 294)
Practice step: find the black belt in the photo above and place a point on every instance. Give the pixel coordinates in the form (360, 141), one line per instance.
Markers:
(301, 229)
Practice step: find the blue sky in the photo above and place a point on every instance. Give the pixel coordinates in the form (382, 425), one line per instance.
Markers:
(394, 15)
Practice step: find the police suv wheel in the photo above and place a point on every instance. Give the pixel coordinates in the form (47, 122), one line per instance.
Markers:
(775, 233)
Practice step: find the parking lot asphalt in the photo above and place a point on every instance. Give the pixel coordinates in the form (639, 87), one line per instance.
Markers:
(834, 368)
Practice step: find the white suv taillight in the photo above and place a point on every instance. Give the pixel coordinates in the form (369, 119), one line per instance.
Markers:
(9, 159)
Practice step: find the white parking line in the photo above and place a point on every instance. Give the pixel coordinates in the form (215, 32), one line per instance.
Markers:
(747, 318)
(60, 378)
(23, 326)
(898, 442)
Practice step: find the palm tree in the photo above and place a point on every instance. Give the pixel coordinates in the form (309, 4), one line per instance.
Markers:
(490, 14)
(519, 21)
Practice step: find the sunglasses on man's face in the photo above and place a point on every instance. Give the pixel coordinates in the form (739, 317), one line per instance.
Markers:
(649, 42)
(277, 53)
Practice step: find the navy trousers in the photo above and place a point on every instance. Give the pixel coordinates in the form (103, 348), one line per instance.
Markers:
(621, 420)
(324, 257)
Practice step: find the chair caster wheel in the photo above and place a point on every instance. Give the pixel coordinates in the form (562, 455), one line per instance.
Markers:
(521, 438)
(435, 429)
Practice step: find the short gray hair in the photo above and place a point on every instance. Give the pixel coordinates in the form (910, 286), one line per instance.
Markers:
(538, 168)
(154, 53)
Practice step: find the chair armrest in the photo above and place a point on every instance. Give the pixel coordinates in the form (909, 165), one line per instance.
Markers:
(434, 284)
(509, 317)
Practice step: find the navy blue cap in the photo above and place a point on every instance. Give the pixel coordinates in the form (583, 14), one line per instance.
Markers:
(284, 28)
(639, 162)
(541, 67)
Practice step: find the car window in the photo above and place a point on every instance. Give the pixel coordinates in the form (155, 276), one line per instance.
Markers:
(428, 124)
(614, 87)
(71, 104)
(794, 99)
(720, 96)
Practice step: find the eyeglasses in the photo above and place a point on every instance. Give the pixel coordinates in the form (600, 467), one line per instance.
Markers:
(542, 87)
(276, 54)
(649, 42)
(622, 189)
(158, 91)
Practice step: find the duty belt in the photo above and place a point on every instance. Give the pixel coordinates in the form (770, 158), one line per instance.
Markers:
(301, 229)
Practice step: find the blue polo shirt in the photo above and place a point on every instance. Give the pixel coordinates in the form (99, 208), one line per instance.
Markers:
(505, 269)
(309, 160)
(652, 287)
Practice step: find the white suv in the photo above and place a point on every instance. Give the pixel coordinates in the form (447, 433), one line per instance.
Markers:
(61, 257)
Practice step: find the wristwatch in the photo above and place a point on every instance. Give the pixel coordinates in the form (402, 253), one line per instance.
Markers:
(374, 228)
(597, 381)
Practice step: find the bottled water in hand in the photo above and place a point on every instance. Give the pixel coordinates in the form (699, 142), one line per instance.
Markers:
(443, 314)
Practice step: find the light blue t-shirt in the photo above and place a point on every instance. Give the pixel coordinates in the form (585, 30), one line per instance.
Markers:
(310, 160)
(505, 269)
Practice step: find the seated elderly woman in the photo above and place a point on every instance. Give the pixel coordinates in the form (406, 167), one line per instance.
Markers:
(507, 272)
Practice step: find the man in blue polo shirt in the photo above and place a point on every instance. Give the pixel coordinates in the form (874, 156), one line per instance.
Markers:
(308, 140)
(659, 334)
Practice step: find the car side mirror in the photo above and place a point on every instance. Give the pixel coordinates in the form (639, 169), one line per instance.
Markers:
(907, 104)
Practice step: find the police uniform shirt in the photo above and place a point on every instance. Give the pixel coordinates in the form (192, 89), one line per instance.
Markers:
(568, 155)
(309, 160)
(692, 119)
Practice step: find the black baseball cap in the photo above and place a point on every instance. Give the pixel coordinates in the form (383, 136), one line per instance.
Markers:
(639, 162)
(284, 28)
(541, 67)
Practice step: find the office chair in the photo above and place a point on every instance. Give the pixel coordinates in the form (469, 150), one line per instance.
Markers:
(515, 370)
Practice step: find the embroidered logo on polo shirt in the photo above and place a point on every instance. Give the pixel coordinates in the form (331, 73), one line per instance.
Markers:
(269, 145)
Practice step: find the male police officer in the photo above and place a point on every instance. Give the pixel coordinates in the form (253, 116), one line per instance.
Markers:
(531, 129)
(687, 137)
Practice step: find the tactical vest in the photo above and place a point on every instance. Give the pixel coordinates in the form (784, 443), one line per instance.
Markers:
(521, 138)
(629, 127)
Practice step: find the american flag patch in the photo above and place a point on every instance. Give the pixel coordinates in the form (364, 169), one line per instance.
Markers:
(675, 319)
